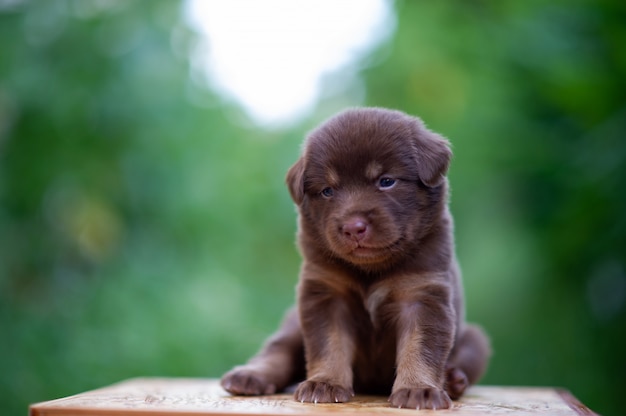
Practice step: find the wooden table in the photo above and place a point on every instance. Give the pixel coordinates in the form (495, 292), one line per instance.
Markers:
(194, 397)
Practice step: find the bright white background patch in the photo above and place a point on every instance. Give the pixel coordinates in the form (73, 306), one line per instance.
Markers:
(271, 55)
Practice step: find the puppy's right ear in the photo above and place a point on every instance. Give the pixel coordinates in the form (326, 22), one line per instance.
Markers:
(433, 157)
(295, 181)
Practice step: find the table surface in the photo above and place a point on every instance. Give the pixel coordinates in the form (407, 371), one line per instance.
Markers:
(188, 396)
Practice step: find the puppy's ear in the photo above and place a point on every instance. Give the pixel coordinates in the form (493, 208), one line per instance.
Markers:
(295, 181)
(433, 157)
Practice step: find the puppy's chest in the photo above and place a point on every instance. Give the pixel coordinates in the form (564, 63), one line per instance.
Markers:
(375, 304)
(376, 336)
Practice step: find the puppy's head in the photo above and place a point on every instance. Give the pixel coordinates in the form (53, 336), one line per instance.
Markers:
(369, 185)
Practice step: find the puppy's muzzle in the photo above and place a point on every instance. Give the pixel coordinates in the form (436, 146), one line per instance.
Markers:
(355, 228)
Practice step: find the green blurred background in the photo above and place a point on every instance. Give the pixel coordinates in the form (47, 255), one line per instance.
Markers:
(145, 229)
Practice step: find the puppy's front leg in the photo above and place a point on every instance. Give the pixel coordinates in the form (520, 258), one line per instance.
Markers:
(425, 325)
(328, 342)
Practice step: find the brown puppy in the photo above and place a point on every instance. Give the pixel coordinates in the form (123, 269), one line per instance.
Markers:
(379, 306)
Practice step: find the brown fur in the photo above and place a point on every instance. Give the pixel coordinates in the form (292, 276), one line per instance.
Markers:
(379, 305)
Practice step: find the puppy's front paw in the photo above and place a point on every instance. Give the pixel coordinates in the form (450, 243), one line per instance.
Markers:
(247, 382)
(420, 398)
(322, 392)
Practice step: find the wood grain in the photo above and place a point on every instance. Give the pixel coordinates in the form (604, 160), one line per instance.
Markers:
(183, 396)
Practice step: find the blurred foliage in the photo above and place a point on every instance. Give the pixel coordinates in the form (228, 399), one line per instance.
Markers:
(145, 228)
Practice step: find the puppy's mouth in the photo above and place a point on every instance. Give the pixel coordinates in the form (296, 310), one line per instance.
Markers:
(369, 253)
(361, 240)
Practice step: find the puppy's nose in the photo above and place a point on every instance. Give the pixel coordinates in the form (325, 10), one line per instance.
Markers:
(355, 229)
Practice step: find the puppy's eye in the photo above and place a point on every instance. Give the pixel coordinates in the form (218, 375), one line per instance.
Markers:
(386, 183)
(327, 192)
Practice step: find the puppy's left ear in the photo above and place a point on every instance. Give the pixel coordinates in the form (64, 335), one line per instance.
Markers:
(295, 181)
(433, 157)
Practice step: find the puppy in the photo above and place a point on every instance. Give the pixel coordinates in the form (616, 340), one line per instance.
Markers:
(379, 299)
